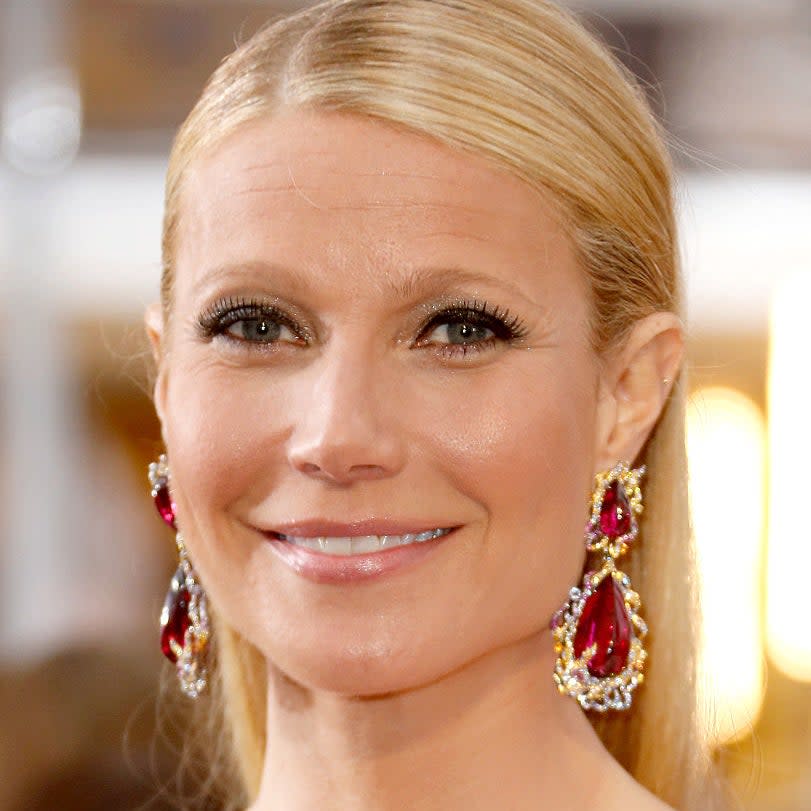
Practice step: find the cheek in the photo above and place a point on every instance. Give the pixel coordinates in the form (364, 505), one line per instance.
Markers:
(525, 454)
(218, 427)
(224, 431)
(223, 427)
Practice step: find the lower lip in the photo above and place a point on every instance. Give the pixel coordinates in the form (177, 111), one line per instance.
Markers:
(322, 568)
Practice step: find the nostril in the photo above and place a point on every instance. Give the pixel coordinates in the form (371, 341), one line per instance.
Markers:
(341, 457)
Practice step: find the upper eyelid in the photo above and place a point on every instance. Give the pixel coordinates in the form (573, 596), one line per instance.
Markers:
(499, 320)
(455, 311)
(219, 315)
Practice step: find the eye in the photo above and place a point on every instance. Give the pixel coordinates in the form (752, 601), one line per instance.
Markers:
(470, 327)
(460, 332)
(257, 330)
(249, 322)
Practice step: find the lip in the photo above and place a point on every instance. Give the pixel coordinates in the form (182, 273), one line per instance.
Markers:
(320, 567)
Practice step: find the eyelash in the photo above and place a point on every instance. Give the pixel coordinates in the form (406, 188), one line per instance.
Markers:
(505, 327)
(225, 313)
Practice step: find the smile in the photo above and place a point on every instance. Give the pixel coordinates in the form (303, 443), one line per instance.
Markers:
(362, 544)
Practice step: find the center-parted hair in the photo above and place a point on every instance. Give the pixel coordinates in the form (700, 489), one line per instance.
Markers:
(523, 84)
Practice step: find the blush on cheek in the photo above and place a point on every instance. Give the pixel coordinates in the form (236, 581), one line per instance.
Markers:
(222, 427)
(526, 458)
(519, 436)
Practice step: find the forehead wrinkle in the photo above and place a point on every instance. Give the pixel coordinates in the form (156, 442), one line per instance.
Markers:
(342, 172)
(308, 189)
(458, 235)
(304, 192)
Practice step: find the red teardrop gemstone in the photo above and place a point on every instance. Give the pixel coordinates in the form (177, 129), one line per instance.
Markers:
(163, 501)
(615, 511)
(604, 623)
(175, 619)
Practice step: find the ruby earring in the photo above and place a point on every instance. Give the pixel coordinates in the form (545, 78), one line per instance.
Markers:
(599, 632)
(184, 626)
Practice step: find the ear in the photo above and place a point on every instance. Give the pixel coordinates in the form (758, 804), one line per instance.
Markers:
(635, 383)
(153, 322)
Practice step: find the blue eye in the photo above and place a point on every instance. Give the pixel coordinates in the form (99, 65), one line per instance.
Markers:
(463, 332)
(470, 327)
(454, 331)
(249, 322)
(256, 330)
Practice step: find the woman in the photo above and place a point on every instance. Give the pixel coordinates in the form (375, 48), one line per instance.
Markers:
(420, 288)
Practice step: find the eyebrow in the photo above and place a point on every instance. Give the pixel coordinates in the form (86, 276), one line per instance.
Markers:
(415, 283)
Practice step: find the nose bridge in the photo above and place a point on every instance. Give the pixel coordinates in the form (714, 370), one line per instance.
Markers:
(345, 427)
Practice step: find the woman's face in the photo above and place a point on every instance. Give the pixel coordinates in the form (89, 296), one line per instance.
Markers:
(373, 334)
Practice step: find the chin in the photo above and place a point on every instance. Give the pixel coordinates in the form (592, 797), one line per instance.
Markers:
(367, 669)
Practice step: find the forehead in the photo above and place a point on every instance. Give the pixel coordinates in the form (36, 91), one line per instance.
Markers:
(314, 187)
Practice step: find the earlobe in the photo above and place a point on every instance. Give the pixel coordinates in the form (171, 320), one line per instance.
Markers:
(637, 384)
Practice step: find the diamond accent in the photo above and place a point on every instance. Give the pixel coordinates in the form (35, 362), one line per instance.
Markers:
(609, 643)
(572, 674)
(184, 620)
(622, 484)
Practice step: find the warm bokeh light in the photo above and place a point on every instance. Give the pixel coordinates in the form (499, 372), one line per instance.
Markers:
(726, 436)
(789, 548)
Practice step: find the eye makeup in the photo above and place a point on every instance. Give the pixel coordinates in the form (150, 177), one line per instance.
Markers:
(470, 325)
(225, 313)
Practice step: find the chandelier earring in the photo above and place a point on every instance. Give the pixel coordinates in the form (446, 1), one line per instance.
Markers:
(599, 631)
(184, 625)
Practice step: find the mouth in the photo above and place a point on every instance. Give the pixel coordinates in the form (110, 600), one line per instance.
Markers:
(347, 546)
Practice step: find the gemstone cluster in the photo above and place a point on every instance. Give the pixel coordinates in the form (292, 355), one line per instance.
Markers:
(599, 631)
(184, 623)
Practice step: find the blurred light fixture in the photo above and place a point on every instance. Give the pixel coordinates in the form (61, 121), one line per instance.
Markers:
(726, 438)
(42, 122)
(789, 546)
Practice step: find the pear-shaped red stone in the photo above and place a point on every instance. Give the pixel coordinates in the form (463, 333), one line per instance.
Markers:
(175, 619)
(604, 623)
(163, 501)
(615, 511)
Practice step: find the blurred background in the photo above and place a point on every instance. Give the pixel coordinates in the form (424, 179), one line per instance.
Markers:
(91, 93)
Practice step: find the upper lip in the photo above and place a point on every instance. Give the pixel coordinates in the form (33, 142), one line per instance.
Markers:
(322, 528)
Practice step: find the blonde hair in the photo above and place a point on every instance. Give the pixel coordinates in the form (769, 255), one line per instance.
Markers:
(522, 83)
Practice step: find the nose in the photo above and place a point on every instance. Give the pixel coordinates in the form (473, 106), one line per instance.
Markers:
(346, 429)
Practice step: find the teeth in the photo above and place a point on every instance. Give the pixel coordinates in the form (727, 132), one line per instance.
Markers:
(362, 544)
(337, 546)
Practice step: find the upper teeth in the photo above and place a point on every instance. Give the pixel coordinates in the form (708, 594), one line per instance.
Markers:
(361, 543)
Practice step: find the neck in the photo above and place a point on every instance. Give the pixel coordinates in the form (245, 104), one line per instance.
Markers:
(495, 734)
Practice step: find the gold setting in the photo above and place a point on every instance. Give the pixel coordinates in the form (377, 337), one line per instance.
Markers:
(629, 479)
(191, 664)
(191, 657)
(572, 676)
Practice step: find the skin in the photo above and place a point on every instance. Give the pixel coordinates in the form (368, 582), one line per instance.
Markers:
(431, 687)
